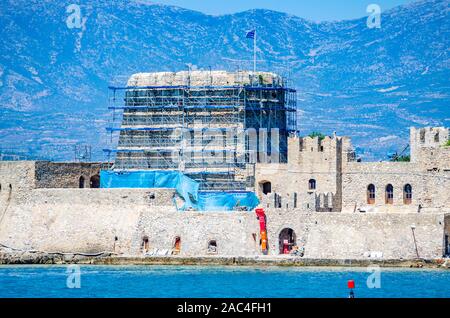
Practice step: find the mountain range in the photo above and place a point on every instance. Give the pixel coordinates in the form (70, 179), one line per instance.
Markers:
(368, 83)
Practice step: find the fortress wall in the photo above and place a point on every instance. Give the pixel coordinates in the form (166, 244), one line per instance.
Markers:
(309, 158)
(236, 234)
(276, 174)
(79, 220)
(88, 220)
(46, 174)
(286, 179)
(16, 178)
(427, 141)
(305, 202)
(428, 189)
(432, 159)
(120, 196)
(69, 227)
(64, 174)
(18, 174)
(354, 236)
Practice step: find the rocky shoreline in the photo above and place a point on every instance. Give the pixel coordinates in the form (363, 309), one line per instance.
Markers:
(110, 259)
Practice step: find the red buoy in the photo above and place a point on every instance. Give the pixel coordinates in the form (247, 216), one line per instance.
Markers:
(351, 284)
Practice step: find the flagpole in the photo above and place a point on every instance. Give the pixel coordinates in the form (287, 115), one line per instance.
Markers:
(254, 53)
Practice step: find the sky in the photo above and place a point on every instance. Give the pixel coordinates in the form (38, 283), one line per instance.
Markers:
(315, 10)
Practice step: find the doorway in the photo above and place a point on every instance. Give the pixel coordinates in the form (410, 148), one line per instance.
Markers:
(81, 182)
(177, 246)
(266, 187)
(287, 240)
(95, 181)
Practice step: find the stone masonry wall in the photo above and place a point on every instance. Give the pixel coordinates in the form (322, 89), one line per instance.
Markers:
(358, 236)
(331, 164)
(16, 177)
(426, 138)
(428, 188)
(65, 174)
(308, 158)
(434, 159)
(89, 220)
(18, 174)
(79, 220)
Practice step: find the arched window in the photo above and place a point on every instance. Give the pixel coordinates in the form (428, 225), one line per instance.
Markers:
(407, 194)
(266, 187)
(212, 247)
(312, 184)
(446, 245)
(436, 137)
(177, 245)
(371, 194)
(81, 182)
(95, 181)
(389, 194)
(422, 135)
(145, 244)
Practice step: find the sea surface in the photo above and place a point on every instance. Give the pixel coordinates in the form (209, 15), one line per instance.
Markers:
(230, 281)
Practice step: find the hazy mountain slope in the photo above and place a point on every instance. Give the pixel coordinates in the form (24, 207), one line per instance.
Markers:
(370, 84)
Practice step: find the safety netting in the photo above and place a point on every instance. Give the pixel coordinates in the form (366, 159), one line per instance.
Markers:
(186, 188)
(226, 201)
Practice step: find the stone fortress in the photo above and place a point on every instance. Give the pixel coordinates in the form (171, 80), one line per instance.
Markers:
(319, 201)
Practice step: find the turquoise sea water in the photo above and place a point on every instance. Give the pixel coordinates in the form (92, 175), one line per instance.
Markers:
(199, 281)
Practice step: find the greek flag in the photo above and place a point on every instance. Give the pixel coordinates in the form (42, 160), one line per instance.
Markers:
(250, 34)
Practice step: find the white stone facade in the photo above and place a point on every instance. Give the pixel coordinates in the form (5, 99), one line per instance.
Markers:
(331, 218)
(331, 164)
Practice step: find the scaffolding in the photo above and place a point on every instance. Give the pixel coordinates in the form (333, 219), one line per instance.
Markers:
(198, 130)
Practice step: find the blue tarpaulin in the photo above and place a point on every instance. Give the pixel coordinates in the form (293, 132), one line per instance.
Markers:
(226, 201)
(185, 187)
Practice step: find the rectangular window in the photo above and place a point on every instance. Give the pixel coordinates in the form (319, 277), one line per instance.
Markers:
(295, 200)
(447, 246)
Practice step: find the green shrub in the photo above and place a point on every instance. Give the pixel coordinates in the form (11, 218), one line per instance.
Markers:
(447, 144)
(317, 134)
(402, 158)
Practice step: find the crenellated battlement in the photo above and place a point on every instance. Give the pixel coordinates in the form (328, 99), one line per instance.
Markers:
(327, 169)
(317, 151)
(315, 144)
(427, 144)
(311, 201)
(312, 144)
(429, 136)
(320, 197)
